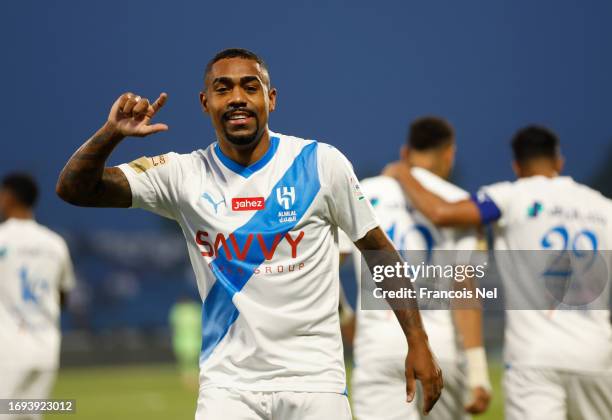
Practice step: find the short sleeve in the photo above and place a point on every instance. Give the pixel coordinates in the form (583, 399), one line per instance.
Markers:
(345, 245)
(387, 199)
(154, 182)
(67, 279)
(349, 209)
(493, 201)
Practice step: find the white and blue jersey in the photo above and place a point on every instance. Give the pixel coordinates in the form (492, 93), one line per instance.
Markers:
(380, 348)
(556, 216)
(379, 336)
(35, 267)
(262, 240)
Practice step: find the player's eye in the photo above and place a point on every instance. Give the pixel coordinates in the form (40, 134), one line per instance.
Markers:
(251, 88)
(221, 89)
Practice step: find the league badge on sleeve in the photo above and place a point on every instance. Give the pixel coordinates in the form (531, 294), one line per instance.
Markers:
(356, 189)
(144, 163)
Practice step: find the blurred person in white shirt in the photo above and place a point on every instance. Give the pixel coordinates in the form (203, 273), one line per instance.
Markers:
(36, 273)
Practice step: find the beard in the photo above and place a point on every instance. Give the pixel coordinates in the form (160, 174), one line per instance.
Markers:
(245, 139)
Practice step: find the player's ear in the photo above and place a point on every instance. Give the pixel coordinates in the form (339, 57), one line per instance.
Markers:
(203, 101)
(404, 153)
(6, 202)
(451, 151)
(271, 99)
(559, 164)
(516, 168)
(2, 204)
(449, 156)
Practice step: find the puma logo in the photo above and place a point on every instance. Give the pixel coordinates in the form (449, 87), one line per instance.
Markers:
(209, 198)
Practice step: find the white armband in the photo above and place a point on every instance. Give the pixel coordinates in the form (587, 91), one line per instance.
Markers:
(477, 371)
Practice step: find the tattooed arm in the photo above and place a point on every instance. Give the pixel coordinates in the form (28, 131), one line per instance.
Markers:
(420, 362)
(85, 181)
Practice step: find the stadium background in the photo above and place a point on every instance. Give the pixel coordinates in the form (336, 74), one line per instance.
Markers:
(349, 73)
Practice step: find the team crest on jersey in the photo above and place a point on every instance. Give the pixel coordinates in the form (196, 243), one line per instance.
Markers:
(285, 196)
(534, 209)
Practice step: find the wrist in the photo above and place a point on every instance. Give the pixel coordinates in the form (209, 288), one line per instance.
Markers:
(110, 132)
(477, 369)
(416, 337)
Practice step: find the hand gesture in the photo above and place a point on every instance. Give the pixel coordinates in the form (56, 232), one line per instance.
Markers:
(131, 115)
(421, 364)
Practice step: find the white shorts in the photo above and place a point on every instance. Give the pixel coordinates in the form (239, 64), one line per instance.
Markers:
(379, 393)
(538, 394)
(231, 404)
(25, 383)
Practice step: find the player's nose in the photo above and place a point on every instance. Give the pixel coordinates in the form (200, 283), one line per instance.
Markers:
(237, 98)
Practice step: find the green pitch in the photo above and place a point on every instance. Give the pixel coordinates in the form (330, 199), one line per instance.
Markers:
(156, 393)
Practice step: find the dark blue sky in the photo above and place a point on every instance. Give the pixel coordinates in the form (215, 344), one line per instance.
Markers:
(350, 73)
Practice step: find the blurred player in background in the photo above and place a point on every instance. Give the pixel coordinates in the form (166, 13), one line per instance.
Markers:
(35, 275)
(260, 212)
(186, 324)
(378, 383)
(558, 363)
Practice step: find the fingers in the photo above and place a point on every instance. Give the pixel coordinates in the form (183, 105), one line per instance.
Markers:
(476, 407)
(123, 100)
(410, 384)
(473, 407)
(430, 397)
(127, 103)
(153, 128)
(393, 169)
(131, 105)
(479, 402)
(131, 115)
(155, 106)
(432, 389)
(140, 108)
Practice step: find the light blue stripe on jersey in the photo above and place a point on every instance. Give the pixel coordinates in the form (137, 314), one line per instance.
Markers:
(218, 310)
(247, 171)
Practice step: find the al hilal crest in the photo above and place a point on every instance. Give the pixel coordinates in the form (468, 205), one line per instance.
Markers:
(285, 197)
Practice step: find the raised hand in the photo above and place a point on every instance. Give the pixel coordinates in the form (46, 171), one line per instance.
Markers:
(131, 115)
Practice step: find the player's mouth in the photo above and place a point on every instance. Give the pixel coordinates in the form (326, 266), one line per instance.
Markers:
(239, 118)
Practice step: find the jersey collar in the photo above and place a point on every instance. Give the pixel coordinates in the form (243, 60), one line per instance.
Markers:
(247, 171)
